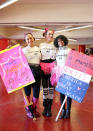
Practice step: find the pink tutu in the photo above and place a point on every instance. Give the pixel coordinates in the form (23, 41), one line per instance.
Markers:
(47, 67)
(56, 73)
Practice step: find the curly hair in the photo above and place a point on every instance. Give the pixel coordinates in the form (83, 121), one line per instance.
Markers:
(61, 37)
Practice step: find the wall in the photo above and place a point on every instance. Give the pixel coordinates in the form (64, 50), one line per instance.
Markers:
(47, 13)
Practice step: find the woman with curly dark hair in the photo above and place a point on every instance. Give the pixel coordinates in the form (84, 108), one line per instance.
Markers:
(61, 43)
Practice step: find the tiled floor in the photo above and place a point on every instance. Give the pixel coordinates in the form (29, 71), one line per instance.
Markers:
(13, 116)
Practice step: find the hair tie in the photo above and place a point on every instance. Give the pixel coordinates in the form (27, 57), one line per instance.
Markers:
(46, 29)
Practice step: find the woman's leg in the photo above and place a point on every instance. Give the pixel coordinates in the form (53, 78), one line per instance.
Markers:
(45, 93)
(36, 88)
(69, 101)
(62, 97)
(29, 110)
(50, 98)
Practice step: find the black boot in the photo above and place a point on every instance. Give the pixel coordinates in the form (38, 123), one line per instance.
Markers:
(49, 108)
(36, 113)
(67, 115)
(63, 114)
(69, 101)
(45, 103)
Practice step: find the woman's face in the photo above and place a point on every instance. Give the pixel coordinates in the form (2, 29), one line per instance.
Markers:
(29, 39)
(49, 36)
(60, 43)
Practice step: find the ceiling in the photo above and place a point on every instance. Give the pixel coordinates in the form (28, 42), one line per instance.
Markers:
(50, 1)
(82, 35)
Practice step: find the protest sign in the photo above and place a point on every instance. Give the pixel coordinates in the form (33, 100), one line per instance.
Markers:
(14, 69)
(76, 76)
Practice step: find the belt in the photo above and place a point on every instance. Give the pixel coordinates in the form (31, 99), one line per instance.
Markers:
(34, 65)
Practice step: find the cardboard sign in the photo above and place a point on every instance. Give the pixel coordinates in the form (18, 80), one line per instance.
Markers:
(14, 69)
(76, 76)
(80, 62)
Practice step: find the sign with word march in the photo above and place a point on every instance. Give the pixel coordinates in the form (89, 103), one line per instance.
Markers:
(76, 76)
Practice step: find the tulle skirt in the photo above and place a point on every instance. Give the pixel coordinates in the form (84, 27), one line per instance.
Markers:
(47, 67)
(55, 74)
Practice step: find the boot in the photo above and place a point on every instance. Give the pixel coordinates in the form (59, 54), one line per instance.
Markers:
(29, 109)
(45, 104)
(49, 108)
(26, 108)
(69, 101)
(67, 115)
(63, 114)
(35, 100)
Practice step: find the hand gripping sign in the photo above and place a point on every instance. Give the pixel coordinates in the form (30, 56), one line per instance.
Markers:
(14, 69)
(76, 76)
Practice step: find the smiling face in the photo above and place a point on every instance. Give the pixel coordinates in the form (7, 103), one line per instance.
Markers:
(29, 39)
(60, 43)
(49, 36)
